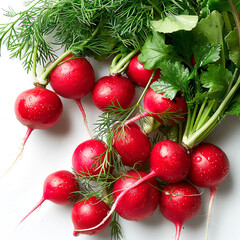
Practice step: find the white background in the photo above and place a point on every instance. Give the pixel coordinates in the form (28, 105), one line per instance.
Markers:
(51, 150)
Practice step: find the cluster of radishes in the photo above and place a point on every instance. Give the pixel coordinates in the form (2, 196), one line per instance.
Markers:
(136, 194)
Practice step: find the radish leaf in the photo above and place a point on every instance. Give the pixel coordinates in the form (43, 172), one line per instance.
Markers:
(174, 23)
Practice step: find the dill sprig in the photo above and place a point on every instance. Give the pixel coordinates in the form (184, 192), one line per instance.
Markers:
(97, 28)
(116, 231)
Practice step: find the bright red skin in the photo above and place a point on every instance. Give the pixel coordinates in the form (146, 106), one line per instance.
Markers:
(156, 103)
(89, 213)
(73, 79)
(209, 166)
(59, 186)
(133, 145)
(170, 161)
(140, 202)
(179, 209)
(138, 74)
(113, 89)
(85, 155)
(38, 108)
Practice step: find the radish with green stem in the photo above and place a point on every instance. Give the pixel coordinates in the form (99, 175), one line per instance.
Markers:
(132, 145)
(91, 157)
(138, 74)
(59, 188)
(88, 213)
(209, 168)
(140, 202)
(179, 202)
(73, 78)
(168, 153)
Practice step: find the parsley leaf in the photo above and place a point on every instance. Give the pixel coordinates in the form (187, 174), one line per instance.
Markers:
(216, 80)
(175, 78)
(155, 51)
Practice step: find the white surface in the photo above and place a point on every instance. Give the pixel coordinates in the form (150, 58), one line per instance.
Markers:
(51, 150)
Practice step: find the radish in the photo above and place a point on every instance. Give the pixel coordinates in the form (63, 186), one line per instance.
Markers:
(132, 145)
(58, 188)
(209, 168)
(73, 78)
(168, 153)
(138, 74)
(88, 213)
(113, 90)
(37, 108)
(90, 158)
(179, 202)
(165, 111)
(140, 202)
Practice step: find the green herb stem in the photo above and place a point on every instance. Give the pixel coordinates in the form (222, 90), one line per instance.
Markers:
(199, 115)
(227, 21)
(156, 8)
(201, 133)
(119, 66)
(236, 18)
(42, 77)
(34, 72)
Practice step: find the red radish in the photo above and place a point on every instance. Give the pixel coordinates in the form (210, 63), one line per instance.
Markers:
(140, 202)
(37, 108)
(58, 188)
(179, 202)
(73, 78)
(132, 145)
(138, 74)
(170, 161)
(209, 168)
(113, 89)
(88, 156)
(88, 213)
(165, 111)
(165, 152)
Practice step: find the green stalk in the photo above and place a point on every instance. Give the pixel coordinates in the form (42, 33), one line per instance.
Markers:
(227, 21)
(193, 116)
(141, 97)
(43, 76)
(199, 116)
(211, 123)
(34, 73)
(236, 18)
(155, 7)
(119, 66)
(205, 115)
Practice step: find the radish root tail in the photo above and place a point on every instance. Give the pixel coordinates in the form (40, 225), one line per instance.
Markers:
(29, 130)
(84, 116)
(213, 192)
